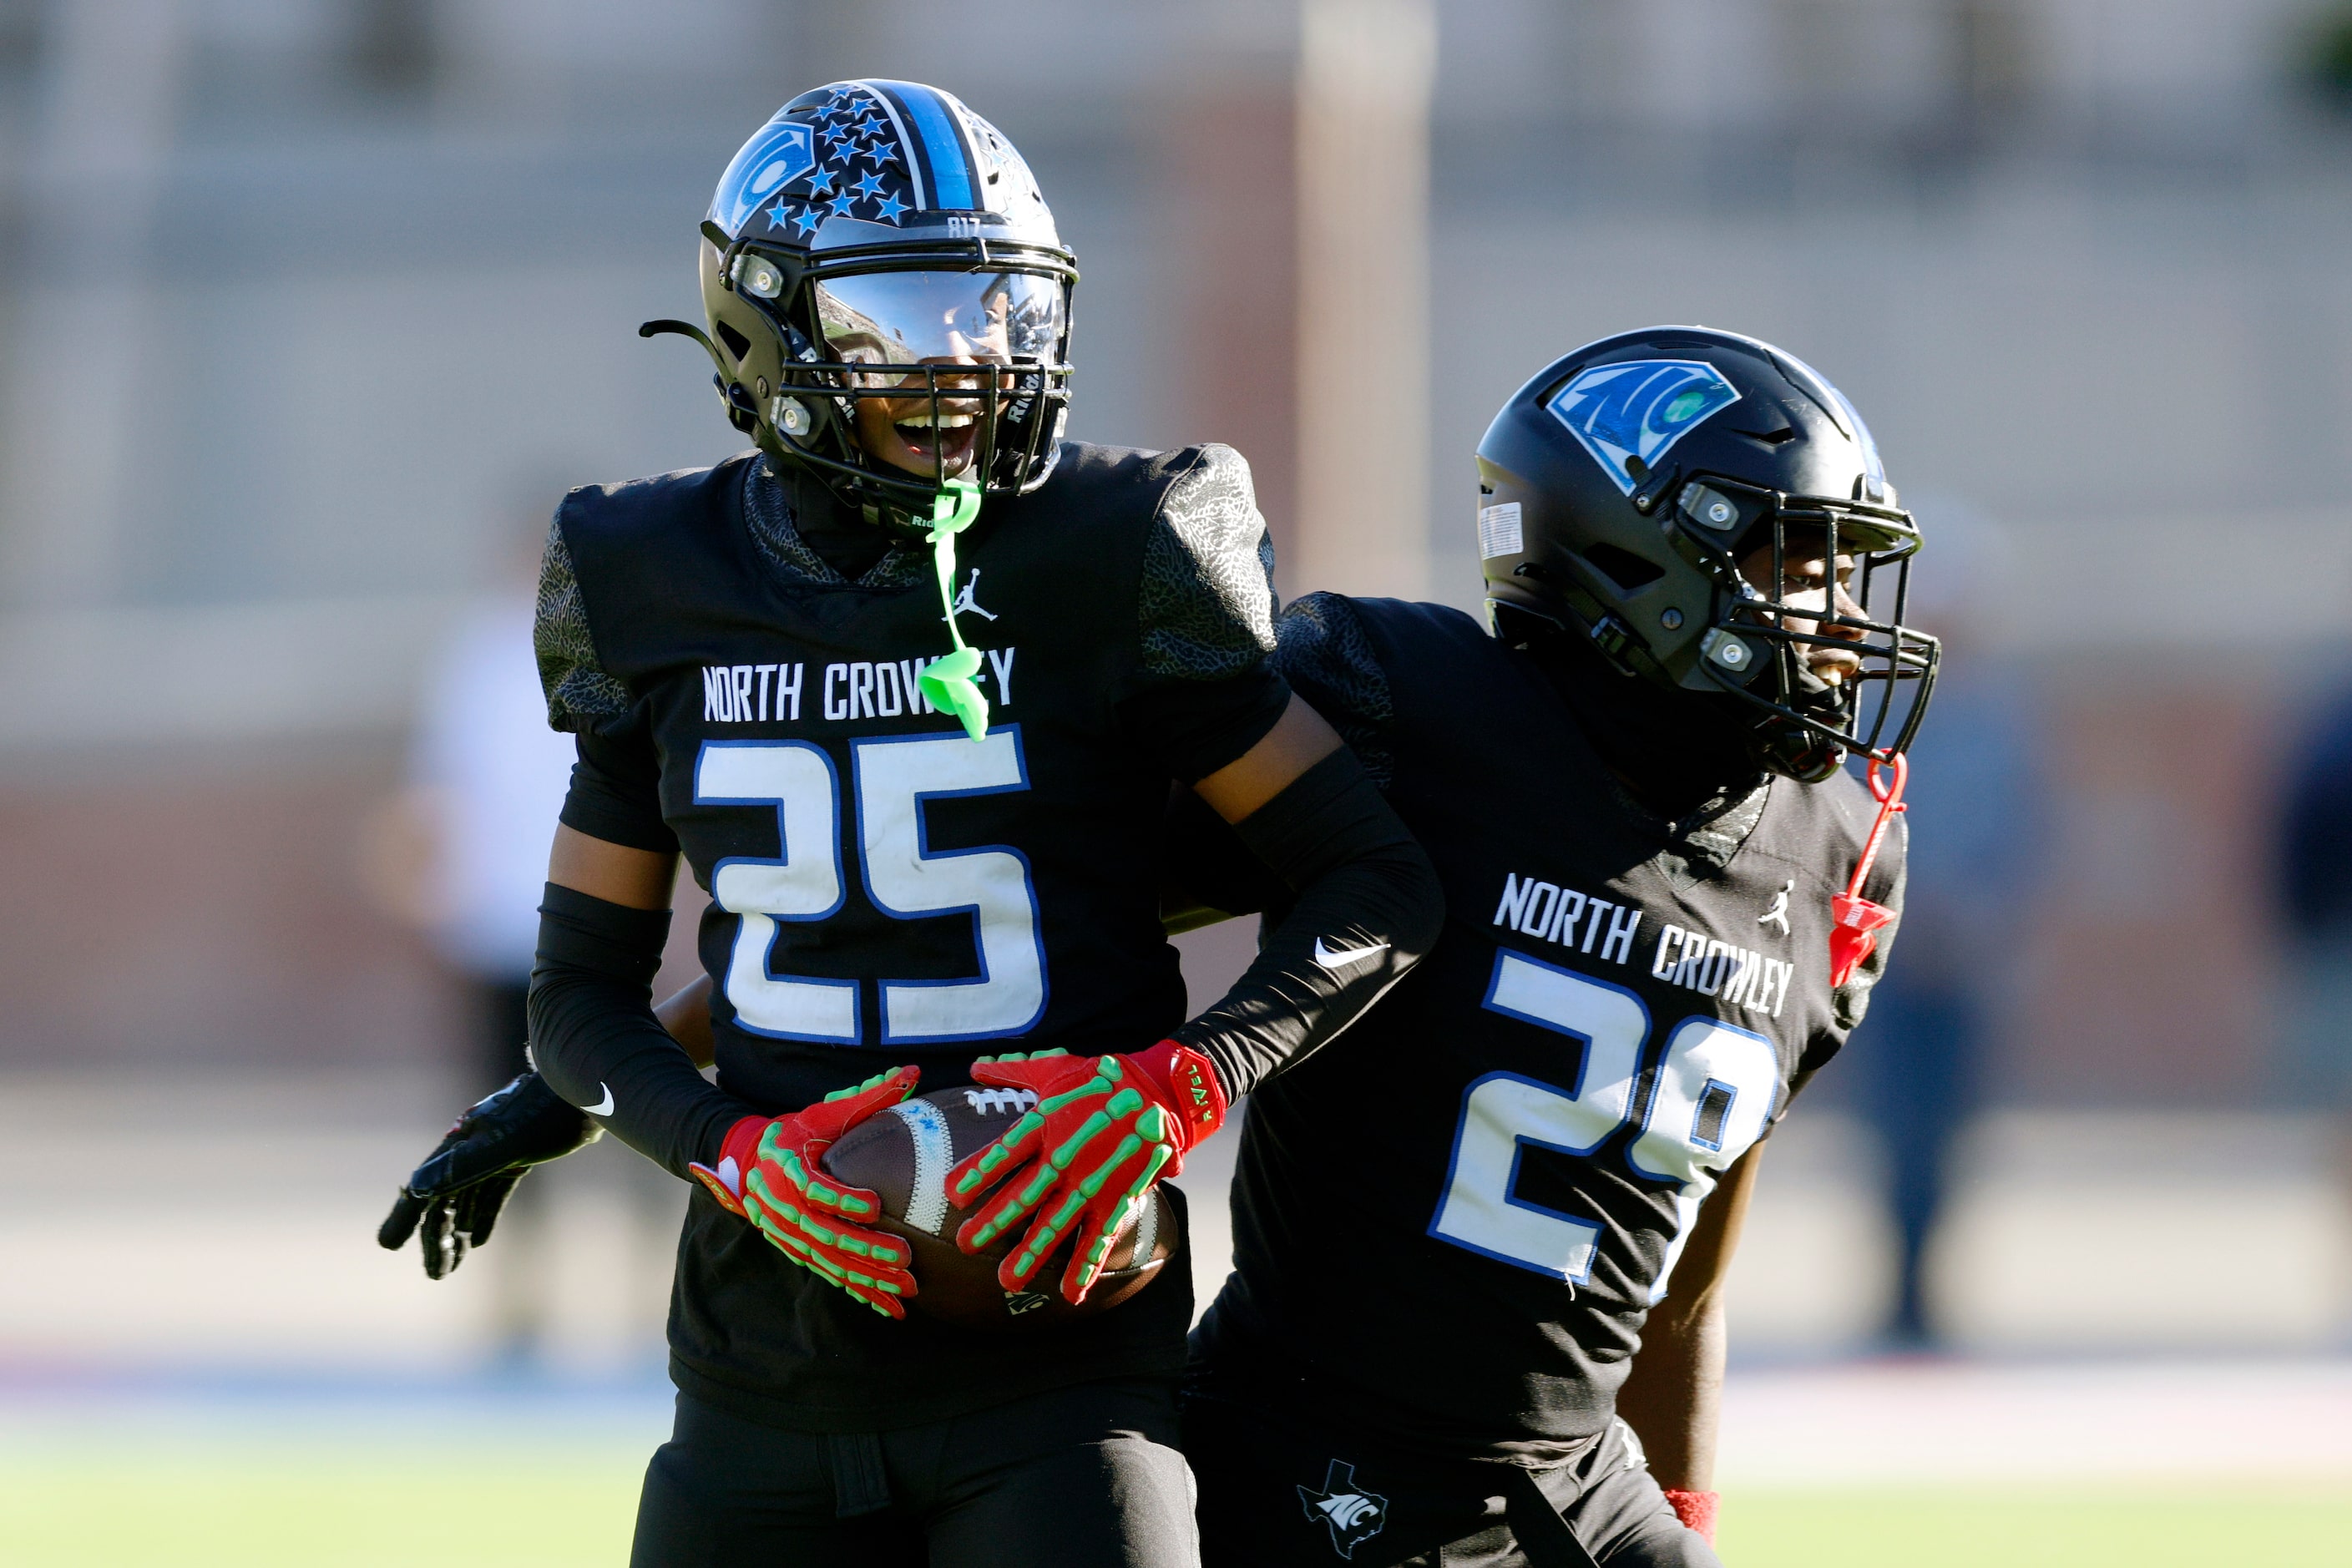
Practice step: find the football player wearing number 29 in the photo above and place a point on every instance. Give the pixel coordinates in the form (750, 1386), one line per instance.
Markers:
(1666, 902)
(924, 857)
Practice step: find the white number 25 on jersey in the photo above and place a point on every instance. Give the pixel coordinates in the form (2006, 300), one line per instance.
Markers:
(893, 777)
(1712, 1093)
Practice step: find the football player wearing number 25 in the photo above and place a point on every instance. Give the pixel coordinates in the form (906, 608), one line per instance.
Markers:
(1666, 901)
(931, 861)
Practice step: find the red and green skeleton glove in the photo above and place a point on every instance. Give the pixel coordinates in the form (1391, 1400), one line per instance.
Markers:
(1081, 1161)
(768, 1173)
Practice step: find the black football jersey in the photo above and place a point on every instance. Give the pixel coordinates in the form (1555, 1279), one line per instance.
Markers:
(1452, 1221)
(884, 889)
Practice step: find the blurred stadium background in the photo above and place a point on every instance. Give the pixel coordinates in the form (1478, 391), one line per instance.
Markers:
(308, 310)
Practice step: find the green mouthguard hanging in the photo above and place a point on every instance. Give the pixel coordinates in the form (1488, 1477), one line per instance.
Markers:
(947, 680)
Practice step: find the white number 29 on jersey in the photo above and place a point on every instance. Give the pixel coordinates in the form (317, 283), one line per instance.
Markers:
(893, 776)
(1711, 1096)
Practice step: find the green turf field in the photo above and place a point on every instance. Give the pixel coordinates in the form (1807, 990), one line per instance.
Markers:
(294, 1511)
(289, 1510)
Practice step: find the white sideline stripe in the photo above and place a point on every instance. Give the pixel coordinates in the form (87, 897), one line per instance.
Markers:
(1930, 1423)
(927, 1206)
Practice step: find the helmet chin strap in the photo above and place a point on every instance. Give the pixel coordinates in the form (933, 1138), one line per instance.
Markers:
(947, 680)
(1792, 749)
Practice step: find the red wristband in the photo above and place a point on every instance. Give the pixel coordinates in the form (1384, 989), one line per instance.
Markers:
(1187, 1080)
(1695, 1509)
(739, 1151)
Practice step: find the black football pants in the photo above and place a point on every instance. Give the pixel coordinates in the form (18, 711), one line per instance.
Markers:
(1084, 1475)
(1279, 1490)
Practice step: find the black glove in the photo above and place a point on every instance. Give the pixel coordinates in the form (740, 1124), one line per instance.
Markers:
(463, 1183)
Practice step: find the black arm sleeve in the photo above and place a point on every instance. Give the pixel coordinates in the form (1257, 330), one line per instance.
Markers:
(1206, 873)
(1367, 908)
(595, 1040)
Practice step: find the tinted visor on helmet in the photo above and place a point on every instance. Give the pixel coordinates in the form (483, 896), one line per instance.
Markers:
(914, 347)
(912, 318)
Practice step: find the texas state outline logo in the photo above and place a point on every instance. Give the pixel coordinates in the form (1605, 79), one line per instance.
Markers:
(1354, 1515)
(1639, 408)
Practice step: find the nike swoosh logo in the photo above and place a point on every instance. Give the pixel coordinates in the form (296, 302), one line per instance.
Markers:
(602, 1107)
(1331, 958)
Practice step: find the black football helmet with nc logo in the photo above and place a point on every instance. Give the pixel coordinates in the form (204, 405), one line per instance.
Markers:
(1622, 486)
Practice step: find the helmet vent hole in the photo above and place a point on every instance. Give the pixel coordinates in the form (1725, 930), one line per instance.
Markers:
(737, 343)
(1769, 437)
(1623, 567)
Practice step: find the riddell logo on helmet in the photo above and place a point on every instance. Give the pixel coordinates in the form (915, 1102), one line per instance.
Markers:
(1630, 414)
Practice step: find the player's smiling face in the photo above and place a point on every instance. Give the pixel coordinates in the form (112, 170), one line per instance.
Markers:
(1811, 581)
(919, 437)
(937, 342)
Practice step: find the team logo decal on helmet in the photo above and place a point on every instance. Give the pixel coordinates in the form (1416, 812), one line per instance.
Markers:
(782, 152)
(1630, 414)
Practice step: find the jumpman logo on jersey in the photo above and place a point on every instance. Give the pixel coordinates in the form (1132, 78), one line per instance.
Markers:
(965, 605)
(1779, 913)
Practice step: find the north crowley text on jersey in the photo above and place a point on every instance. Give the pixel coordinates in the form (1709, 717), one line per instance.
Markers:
(880, 689)
(1693, 960)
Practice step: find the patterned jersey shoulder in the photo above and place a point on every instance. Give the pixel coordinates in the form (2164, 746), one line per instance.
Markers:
(629, 519)
(1205, 594)
(1338, 652)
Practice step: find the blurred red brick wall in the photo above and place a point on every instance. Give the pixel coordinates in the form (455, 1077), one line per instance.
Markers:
(2150, 969)
(185, 910)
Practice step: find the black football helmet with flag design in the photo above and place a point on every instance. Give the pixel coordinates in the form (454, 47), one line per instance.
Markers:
(878, 241)
(1620, 488)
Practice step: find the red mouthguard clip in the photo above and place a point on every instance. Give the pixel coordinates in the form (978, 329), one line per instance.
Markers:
(1853, 938)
